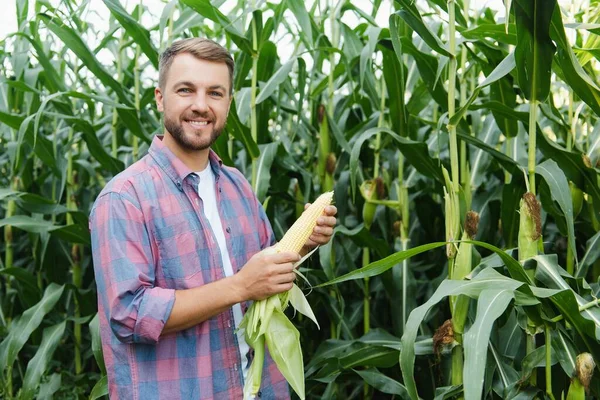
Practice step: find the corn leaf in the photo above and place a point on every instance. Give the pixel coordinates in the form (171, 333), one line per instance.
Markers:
(29, 321)
(410, 14)
(100, 389)
(134, 29)
(382, 382)
(559, 188)
(491, 305)
(39, 363)
(534, 50)
(487, 279)
(283, 341)
(591, 255)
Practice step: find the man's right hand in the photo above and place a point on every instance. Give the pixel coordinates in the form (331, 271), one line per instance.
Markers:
(266, 273)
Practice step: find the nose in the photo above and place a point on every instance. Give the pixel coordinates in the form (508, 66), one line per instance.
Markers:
(199, 104)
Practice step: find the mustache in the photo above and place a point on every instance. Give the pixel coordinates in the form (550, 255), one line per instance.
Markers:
(193, 115)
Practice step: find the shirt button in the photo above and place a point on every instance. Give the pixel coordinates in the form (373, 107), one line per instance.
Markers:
(235, 367)
(229, 324)
(228, 229)
(219, 190)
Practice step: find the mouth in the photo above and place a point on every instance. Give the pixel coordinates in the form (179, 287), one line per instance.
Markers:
(198, 124)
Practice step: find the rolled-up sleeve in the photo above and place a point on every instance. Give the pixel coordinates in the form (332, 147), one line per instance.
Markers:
(125, 271)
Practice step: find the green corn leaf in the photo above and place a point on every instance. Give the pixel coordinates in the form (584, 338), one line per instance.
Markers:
(300, 304)
(412, 17)
(263, 169)
(416, 154)
(48, 389)
(486, 279)
(503, 69)
(240, 131)
(29, 321)
(379, 267)
(564, 350)
(100, 389)
(491, 305)
(134, 29)
(559, 188)
(74, 42)
(283, 341)
(94, 326)
(550, 274)
(278, 78)
(591, 255)
(493, 31)
(303, 17)
(207, 10)
(38, 365)
(571, 70)
(382, 382)
(535, 49)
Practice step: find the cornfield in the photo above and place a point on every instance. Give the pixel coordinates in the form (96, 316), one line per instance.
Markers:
(462, 143)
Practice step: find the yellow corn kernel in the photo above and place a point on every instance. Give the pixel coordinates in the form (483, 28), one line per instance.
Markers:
(296, 237)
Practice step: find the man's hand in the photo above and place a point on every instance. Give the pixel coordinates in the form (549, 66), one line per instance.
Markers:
(323, 230)
(266, 274)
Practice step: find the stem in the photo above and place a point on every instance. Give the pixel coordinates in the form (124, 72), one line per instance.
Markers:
(451, 91)
(530, 347)
(509, 153)
(532, 133)
(570, 260)
(380, 123)
(571, 132)
(366, 309)
(115, 115)
(457, 365)
(548, 362)
(584, 307)
(253, 117)
(136, 76)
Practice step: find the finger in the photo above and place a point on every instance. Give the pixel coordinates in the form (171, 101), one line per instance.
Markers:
(320, 239)
(330, 210)
(284, 257)
(306, 205)
(326, 221)
(323, 230)
(285, 278)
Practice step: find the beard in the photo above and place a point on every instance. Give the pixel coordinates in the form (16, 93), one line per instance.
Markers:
(192, 141)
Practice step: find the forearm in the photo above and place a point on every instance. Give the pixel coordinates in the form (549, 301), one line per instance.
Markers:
(194, 306)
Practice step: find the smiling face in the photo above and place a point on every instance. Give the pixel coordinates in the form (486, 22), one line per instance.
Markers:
(195, 101)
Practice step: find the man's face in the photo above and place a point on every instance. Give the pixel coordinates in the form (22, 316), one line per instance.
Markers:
(195, 101)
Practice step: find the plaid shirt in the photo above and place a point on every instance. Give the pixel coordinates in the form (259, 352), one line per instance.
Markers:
(149, 238)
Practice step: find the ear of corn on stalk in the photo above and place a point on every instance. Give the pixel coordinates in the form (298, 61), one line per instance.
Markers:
(371, 190)
(584, 368)
(530, 226)
(265, 321)
(452, 208)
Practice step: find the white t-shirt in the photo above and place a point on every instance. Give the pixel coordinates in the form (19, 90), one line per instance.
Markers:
(207, 192)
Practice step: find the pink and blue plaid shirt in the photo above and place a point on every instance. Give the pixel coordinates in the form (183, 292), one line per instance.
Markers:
(149, 238)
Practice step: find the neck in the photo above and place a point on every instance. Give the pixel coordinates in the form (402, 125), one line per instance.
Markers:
(196, 160)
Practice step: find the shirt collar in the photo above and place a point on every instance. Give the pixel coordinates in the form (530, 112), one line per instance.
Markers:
(174, 167)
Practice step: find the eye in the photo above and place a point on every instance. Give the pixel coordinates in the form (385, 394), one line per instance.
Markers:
(217, 94)
(184, 90)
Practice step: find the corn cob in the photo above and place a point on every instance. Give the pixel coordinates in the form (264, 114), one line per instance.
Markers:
(296, 237)
(257, 321)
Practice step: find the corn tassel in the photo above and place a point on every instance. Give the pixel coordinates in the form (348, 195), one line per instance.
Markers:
(257, 321)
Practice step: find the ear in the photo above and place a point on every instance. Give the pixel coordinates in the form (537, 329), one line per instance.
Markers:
(158, 97)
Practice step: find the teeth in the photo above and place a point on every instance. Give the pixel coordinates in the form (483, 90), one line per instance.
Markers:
(199, 123)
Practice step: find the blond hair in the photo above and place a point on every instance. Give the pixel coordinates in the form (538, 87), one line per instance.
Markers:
(201, 48)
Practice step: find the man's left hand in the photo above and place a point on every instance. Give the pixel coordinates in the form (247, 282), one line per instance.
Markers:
(324, 229)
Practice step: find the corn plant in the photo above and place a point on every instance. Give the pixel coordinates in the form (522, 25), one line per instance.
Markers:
(463, 148)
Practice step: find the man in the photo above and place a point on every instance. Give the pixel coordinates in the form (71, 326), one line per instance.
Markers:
(177, 240)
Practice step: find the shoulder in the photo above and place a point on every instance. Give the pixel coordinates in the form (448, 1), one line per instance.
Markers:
(126, 185)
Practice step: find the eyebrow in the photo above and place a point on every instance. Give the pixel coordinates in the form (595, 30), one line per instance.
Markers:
(191, 84)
